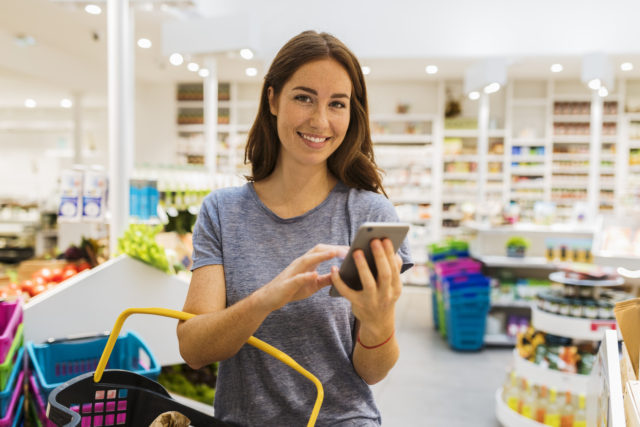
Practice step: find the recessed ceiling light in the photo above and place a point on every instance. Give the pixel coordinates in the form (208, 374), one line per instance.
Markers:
(595, 84)
(492, 88)
(603, 91)
(246, 53)
(30, 103)
(556, 68)
(474, 95)
(366, 70)
(144, 43)
(192, 66)
(176, 59)
(251, 72)
(203, 72)
(626, 66)
(93, 9)
(431, 69)
(66, 103)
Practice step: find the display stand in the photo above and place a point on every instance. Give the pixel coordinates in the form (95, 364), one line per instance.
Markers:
(90, 302)
(605, 407)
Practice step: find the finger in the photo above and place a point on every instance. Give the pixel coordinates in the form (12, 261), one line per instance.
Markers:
(340, 285)
(364, 272)
(311, 260)
(385, 272)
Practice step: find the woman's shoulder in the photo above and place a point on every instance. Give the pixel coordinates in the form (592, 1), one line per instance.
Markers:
(226, 196)
(369, 203)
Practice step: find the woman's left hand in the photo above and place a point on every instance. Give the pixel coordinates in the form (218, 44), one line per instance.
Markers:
(374, 305)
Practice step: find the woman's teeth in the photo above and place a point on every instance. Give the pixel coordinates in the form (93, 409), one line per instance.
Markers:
(313, 139)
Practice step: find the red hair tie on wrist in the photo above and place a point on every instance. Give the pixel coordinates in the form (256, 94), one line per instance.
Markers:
(370, 347)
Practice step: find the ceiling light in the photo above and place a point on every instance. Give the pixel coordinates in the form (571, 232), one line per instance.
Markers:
(603, 91)
(595, 84)
(66, 103)
(93, 9)
(251, 72)
(366, 70)
(474, 95)
(30, 103)
(492, 87)
(203, 72)
(431, 69)
(144, 43)
(626, 66)
(556, 68)
(192, 66)
(246, 53)
(176, 59)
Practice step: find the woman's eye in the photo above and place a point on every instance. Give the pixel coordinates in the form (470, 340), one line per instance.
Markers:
(303, 98)
(338, 104)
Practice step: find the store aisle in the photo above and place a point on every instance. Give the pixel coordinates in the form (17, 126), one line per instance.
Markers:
(432, 385)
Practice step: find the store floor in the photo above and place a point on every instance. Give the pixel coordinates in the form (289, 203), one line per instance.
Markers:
(432, 385)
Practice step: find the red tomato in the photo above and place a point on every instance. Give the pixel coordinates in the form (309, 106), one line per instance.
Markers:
(68, 273)
(38, 289)
(83, 266)
(39, 280)
(26, 285)
(57, 275)
(45, 273)
(13, 285)
(70, 267)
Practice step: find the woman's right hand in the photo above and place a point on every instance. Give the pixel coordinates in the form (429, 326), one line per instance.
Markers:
(300, 279)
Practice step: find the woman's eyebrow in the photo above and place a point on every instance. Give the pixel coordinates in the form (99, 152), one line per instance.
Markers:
(314, 92)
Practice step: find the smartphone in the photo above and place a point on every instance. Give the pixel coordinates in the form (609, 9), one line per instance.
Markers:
(395, 231)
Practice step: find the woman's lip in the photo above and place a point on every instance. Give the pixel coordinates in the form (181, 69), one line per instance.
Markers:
(313, 138)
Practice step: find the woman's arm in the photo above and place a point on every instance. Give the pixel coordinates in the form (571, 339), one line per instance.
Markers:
(218, 332)
(376, 349)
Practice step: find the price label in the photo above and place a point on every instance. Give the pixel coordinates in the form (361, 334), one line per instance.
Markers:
(602, 325)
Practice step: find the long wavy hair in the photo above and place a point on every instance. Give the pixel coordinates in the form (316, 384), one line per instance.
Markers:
(353, 162)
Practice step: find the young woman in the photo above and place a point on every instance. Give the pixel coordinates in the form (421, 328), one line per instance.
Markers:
(266, 252)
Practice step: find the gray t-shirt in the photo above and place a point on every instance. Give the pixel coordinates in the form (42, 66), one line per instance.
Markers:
(235, 229)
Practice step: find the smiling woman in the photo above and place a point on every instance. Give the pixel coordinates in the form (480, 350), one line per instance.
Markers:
(265, 253)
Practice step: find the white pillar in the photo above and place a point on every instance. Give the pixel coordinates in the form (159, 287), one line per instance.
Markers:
(78, 127)
(121, 107)
(595, 150)
(483, 150)
(211, 116)
(437, 165)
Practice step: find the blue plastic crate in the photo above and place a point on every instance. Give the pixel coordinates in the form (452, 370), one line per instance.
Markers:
(434, 309)
(57, 362)
(453, 283)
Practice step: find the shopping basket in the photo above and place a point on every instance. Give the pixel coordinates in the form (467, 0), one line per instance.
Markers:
(123, 398)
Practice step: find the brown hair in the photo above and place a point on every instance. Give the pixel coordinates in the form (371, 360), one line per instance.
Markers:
(353, 162)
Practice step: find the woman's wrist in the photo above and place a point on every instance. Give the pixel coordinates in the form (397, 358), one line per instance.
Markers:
(374, 346)
(372, 333)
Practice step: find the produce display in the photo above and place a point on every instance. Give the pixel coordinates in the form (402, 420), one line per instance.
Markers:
(43, 279)
(195, 384)
(138, 241)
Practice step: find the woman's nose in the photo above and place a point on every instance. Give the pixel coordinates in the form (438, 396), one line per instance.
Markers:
(319, 118)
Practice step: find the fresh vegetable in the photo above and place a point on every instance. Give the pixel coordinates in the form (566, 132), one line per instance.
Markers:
(195, 384)
(139, 242)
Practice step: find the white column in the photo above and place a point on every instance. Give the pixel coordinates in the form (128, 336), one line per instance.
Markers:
(211, 116)
(595, 150)
(121, 106)
(483, 149)
(78, 127)
(621, 173)
(437, 165)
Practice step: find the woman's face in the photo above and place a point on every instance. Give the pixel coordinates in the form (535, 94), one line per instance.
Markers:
(312, 111)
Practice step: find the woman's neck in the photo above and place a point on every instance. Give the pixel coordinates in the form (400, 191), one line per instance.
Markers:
(292, 193)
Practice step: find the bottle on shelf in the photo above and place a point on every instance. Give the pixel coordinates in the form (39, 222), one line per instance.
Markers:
(528, 400)
(511, 394)
(541, 407)
(580, 417)
(554, 409)
(568, 411)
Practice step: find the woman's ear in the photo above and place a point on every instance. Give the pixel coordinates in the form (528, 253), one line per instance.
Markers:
(273, 102)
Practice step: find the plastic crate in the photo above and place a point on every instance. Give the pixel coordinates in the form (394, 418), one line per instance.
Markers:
(14, 413)
(57, 362)
(465, 281)
(10, 319)
(457, 267)
(5, 394)
(434, 308)
(37, 404)
(442, 325)
(6, 367)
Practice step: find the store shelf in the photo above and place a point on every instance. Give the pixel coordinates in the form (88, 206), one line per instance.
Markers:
(499, 340)
(400, 139)
(571, 327)
(560, 277)
(91, 301)
(525, 262)
(510, 418)
(536, 374)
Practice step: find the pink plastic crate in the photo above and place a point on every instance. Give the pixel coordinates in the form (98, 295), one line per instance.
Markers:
(15, 408)
(41, 407)
(457, 267)
(10, 318)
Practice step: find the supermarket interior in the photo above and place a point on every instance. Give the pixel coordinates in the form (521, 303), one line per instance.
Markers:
(508, 136)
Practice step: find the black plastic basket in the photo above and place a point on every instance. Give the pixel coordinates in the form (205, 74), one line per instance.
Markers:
(121, 398)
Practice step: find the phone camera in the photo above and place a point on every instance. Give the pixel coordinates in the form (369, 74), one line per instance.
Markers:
(369, 228)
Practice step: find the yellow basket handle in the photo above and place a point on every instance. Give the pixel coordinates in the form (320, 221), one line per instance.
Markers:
(181, 315)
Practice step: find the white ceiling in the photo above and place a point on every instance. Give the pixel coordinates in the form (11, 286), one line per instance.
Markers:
(395, 39)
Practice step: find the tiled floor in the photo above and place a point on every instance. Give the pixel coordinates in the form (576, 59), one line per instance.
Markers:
(432, 385)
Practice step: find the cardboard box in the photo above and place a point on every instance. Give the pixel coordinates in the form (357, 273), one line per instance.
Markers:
(27, 268)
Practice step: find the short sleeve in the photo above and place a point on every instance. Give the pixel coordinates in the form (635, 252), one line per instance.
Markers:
(207, 242)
